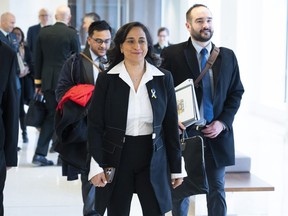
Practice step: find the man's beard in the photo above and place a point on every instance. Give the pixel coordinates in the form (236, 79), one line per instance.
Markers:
(198, 36)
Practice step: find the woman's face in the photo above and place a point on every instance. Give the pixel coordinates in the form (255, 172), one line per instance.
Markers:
(18, 35)
(135, 46)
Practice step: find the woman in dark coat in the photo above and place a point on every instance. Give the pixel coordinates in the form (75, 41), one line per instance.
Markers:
(133, 127)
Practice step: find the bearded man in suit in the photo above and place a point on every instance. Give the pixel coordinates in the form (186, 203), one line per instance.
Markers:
(219, 95)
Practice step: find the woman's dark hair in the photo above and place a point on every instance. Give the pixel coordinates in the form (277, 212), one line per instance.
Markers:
(115, 54)
(21, 32)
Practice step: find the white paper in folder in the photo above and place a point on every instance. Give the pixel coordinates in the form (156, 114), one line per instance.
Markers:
(187, 106)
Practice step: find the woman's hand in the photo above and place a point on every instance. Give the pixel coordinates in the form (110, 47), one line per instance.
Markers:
(99, 180)
(181, 127)
(24, 72)
(176, 182)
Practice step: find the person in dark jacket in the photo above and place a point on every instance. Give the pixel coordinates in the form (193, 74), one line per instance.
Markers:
(9, 115)
(55, 44)
(33, 31)
(78, 71)
(219, 96)
(163, 40)
(133, 127)
(26, 76)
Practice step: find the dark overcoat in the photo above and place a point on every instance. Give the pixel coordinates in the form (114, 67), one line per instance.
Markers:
(182, 61)
(107, 118)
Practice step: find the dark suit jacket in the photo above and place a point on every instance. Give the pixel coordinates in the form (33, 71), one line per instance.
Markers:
(9, 109)
(32, 35)
(76, 70)
(55, 44)
(14, 45)
(13, 41)
(157, 48)
(182, 61)
(27, 82)
(107, 118)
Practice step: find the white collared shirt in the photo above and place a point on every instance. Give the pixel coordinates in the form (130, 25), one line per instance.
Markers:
(140, 115)
(96, 61)
(4, 32)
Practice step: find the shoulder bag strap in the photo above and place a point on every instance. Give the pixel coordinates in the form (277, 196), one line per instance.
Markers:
(90, 60)
(208, 65)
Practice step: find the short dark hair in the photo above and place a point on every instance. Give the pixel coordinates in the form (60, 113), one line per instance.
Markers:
(191, 8)
(115, 54)
(100, 25)
(163, 29)
(93, 16)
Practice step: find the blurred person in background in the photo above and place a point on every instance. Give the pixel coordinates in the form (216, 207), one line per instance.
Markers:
(26, 79)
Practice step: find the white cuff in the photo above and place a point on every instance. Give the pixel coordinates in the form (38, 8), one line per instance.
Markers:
(95, 169)
(183, 171)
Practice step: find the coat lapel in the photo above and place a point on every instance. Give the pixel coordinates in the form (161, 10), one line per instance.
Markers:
(88, 67)
(157, 99)
(191, 59)
(151, 88)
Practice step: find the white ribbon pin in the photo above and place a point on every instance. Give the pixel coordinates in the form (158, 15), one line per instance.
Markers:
(153, 92)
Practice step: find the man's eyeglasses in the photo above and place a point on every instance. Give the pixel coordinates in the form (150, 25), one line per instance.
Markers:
(100, 41)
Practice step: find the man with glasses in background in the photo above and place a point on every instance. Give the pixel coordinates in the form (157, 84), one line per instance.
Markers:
(80, 69)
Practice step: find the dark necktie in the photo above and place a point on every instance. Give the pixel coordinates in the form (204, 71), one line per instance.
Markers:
(8, 37)
(207, 90)
(101, 61)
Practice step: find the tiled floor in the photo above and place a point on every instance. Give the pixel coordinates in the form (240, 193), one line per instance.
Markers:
(42, 191)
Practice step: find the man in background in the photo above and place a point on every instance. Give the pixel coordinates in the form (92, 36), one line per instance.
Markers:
(82, 69)
(9, 115)
(87, 20)
(7, 24)
(54, 46)
(219, 95)
(33, 31)
(163, 40)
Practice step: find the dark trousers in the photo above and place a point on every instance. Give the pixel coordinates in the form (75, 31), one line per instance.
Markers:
(216, 202)
(88, 196)
(47, 129)
(134, 176)
(2, 180)
(22, 115)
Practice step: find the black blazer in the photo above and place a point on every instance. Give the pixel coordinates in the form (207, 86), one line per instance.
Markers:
(76, 70)
(14, 45)
(157, 48)
(32, 35)
(55, 44)
(107, 118)
(182, 61)
(13, 40)
(9, 109)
